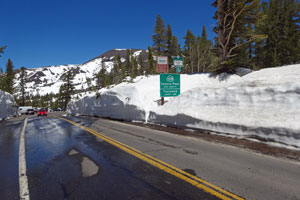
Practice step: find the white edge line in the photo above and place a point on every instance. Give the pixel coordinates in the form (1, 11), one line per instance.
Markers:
(23, 182)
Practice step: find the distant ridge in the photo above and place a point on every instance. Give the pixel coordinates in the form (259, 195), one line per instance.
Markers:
(114, 52)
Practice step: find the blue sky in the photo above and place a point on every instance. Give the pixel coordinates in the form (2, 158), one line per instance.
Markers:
(43, 32)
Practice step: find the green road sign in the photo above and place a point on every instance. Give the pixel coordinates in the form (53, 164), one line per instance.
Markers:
(178, 61)
(169, 85)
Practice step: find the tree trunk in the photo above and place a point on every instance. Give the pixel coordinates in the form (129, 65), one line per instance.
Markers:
(221, 31)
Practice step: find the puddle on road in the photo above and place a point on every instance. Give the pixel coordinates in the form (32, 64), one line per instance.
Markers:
(88, 167)
(99, 140)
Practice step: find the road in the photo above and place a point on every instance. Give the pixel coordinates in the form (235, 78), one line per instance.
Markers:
(89, 158)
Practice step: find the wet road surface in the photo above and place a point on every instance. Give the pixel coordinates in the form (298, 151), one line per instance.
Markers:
(92, 158)
(66, 162)
(9, 150)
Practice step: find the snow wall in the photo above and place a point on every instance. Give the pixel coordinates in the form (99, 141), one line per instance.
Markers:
(7, 105)
(263, 105)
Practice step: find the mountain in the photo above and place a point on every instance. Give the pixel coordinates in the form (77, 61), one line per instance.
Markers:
(48, 79)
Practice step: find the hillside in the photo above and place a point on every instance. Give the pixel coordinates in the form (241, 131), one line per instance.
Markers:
(48, 79)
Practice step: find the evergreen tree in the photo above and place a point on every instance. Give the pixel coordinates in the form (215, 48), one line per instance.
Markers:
(280, 22)
(174, 47)
(9, 78)
(204, 34)
(23, 81)
(169, 36)
(159, 37)
(105, 81)
(179, 52)
(61, 97)
(118, 72)
(134, 72)
(233, 32)
(168, 53)
(89, 83)
(151, 67)
(141, 64)
(189, 51)
(206, 58)
(98, 77)
(102, 79)
(67, 89)
(128, 62)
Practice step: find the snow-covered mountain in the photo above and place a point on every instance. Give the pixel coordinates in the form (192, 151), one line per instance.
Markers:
(48, 79)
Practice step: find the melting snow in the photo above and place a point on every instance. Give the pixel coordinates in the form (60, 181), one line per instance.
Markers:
(262, 104)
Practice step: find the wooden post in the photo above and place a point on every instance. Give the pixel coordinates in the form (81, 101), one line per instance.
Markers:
(162, 101)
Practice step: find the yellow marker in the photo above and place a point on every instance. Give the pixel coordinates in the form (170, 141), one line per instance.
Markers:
(195, 181)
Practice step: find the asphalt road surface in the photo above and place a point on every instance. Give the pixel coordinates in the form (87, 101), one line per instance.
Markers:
(88, 158)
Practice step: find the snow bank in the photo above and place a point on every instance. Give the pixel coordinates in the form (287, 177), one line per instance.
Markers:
(262, 105)
(7, 105)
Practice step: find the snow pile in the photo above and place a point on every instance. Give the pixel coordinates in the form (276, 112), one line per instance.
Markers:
(262, 105)
(7, 105)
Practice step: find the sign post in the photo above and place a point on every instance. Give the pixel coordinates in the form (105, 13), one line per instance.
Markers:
(162, 67)
(178, 63)
(169, 85)
(162, 64)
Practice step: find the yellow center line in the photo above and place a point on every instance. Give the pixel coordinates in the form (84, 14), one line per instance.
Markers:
(195, 181)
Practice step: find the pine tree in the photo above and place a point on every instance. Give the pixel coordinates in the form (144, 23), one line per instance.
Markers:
(134, 72)
(9, 78)
(206, 58)
(141, 64)
(98, 77)
(128, 62)
(61, 97)
(89, 83)
(22, 86)
(101, 79)
(280, 22)
(159, 37)
(151, 67)
(169, 36)
(189, 52)
(232, 31)
(118, 72)
(204, 34)
(174, 49)
(67, 89)
(105, 81)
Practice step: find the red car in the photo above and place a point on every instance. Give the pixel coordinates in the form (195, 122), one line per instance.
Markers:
(42, 112)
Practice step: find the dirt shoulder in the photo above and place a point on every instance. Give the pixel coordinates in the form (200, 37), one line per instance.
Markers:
(257, 147)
